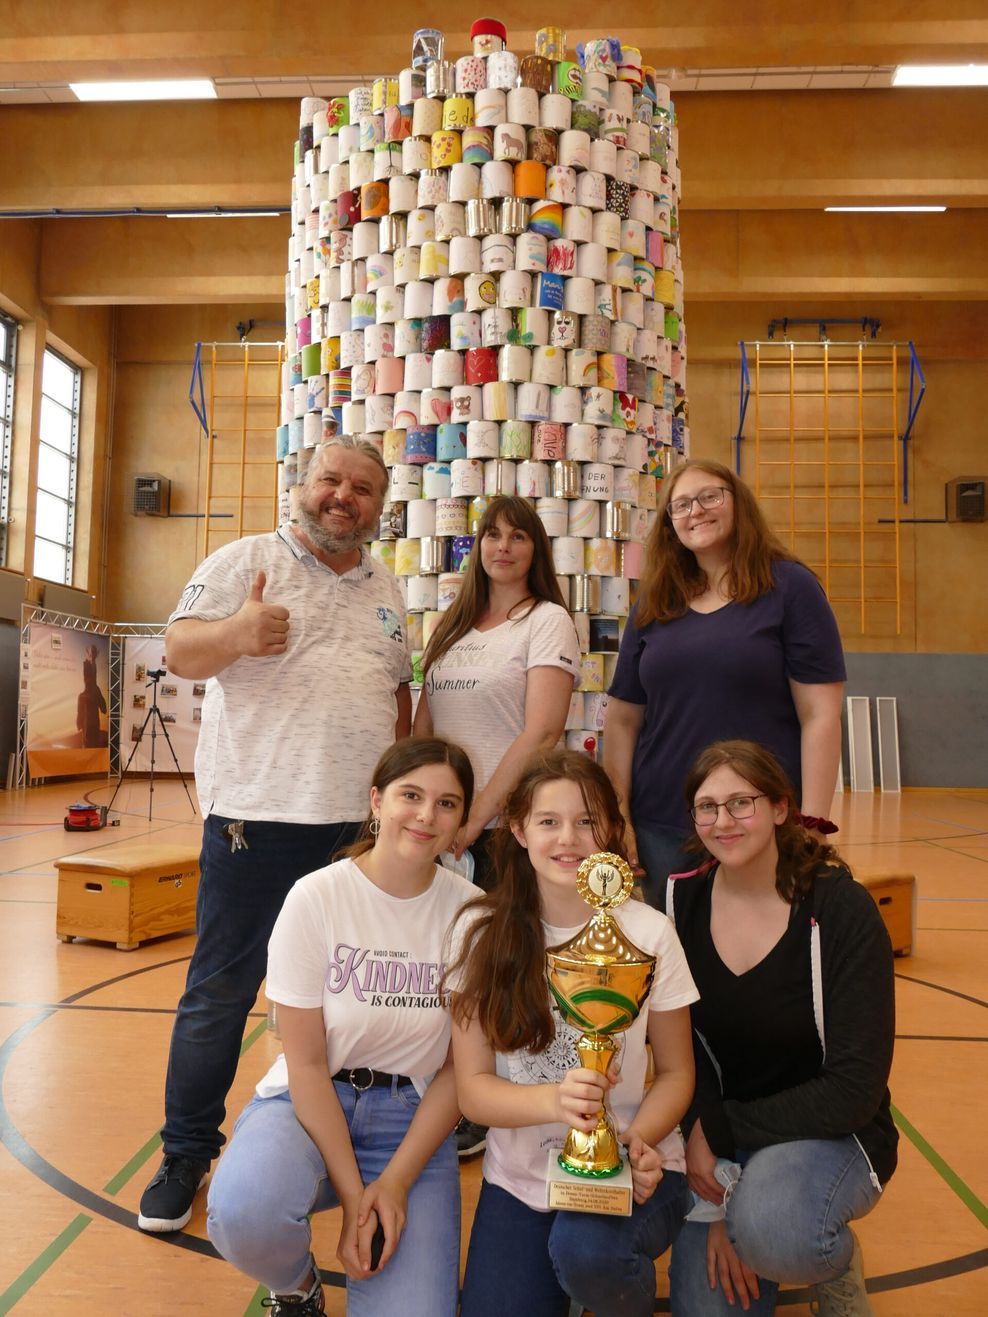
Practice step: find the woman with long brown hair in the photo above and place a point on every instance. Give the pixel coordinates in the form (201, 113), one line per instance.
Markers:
(502, 664)
(359, 1109)
(517, 1068)
(793, 1036)
(731, 636)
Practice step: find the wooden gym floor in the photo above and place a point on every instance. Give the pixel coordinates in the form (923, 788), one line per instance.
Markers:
(84, 1033)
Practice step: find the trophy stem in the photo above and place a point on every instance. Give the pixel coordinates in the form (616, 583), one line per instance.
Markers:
(596, 1051)
(596, 1153)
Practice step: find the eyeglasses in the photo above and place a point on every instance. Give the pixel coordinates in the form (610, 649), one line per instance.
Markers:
(707, 498)
(739, 807)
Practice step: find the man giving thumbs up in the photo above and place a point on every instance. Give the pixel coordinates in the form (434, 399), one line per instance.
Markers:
(302, 637)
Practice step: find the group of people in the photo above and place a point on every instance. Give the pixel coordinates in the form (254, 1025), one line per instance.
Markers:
(751, 1094)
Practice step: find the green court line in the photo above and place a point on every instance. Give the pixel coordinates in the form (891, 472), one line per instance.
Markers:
(967, 1195)
(133, 1166)
(36, 1269)
(253, 1036)
(254, 1308)
(154, 1143)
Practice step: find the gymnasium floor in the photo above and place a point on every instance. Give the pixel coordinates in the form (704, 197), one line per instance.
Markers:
(84, 1032)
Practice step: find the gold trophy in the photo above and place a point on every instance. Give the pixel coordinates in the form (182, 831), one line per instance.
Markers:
(599, 982)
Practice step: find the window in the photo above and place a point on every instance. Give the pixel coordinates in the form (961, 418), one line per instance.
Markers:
(58, 450)
(8, 341)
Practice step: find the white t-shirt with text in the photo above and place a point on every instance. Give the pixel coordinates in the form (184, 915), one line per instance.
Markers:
(372, 963)
(476, 691)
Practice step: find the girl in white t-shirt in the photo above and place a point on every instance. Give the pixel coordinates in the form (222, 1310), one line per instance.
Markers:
(358, 1111)
(517, 1069)
(501, 665)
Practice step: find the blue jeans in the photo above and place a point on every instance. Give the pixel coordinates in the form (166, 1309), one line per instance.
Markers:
(532, 1263)
(240, 895)
(660, 853)
(787, 1218)
(272, 1175)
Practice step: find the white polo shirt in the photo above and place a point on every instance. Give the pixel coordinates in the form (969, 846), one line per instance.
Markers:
(293, 738)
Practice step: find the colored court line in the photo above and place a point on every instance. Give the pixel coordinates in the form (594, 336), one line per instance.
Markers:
(254, 1308)
(36, 1269)
(929, 928)
(956, 900)
(154, 1142)
(897, 1280)
(956, 850)
(941, 1038)
(75, 1192)
(47, 1258)
(938, 987)
(118, 1010)
(133, 1166)
(950, 1177)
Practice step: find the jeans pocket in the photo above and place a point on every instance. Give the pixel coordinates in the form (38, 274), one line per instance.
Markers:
(408, 1096)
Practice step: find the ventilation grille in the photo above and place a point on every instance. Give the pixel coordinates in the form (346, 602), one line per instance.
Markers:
(152, 496)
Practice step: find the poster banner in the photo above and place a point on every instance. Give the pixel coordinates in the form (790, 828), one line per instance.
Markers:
(68, 683)
(179, 702)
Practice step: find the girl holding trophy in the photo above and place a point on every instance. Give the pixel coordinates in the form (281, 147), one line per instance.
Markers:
(517, 1069)
(793, 1044)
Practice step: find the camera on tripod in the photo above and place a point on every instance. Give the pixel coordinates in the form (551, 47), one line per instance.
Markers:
(156, 720)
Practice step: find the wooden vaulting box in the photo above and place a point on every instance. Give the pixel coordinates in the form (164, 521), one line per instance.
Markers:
(127, 892)
(895, 896)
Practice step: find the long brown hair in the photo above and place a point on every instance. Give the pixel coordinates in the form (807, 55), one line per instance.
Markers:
(672, 577)
(404, 757)
(800, 854)
(502, 963)
(475, 595)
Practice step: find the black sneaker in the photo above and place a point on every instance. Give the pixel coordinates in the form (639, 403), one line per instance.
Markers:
(166, 1203)
(312, 1304)
(470, 1138)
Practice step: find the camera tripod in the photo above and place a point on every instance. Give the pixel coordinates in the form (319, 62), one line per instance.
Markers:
(154, 717)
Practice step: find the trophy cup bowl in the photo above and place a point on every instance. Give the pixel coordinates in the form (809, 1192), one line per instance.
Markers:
(599, 981)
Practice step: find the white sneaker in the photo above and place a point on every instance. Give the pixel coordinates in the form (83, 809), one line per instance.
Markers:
(846, 1296)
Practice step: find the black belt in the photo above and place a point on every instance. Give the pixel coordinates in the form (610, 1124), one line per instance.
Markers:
(362, 1077)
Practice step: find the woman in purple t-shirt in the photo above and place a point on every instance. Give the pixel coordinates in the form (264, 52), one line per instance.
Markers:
(731, 638)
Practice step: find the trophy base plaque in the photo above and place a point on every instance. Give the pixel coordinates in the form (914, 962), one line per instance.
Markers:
(566, 1192)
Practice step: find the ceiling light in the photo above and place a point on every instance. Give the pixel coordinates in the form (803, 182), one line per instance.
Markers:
(169, 89)
(941, 75)
(886, 210)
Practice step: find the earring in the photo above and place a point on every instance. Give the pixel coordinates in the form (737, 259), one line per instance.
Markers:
(374, 827)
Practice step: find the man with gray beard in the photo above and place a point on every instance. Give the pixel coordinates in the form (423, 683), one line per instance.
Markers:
(300, 636)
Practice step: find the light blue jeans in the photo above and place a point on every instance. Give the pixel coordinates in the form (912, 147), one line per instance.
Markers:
(787, 1218)
(272, 1176)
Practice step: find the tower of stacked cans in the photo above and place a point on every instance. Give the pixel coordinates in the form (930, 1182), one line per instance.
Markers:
(485, 281)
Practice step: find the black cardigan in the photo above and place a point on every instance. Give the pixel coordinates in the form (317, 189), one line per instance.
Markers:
(855, 985)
